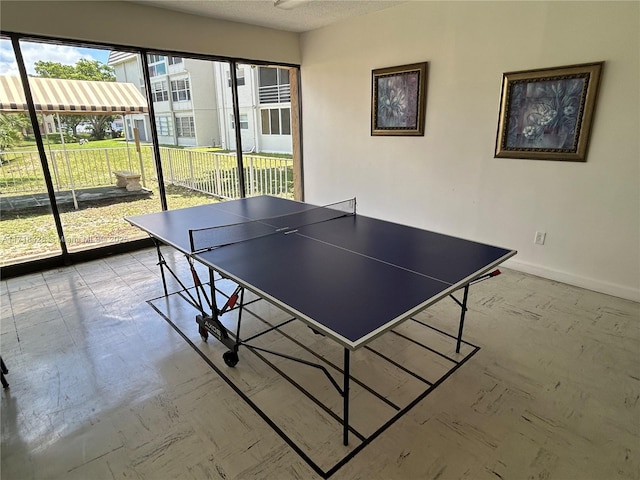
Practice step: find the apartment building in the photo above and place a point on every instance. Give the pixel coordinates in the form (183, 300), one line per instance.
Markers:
(192, 102)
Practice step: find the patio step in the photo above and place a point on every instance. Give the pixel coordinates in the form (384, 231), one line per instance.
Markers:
(65, 197)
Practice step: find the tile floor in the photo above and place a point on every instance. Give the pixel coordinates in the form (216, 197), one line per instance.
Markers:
(102, 387)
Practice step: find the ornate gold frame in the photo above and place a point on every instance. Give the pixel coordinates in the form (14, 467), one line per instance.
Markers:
(546, 114)
(398, 100)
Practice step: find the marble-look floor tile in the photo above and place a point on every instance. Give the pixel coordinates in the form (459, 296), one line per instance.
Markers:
(101, 387)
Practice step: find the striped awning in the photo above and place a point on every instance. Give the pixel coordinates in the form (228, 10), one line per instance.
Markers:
(79, 97)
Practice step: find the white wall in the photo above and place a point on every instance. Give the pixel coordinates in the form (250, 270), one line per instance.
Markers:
(448, 180)
(204, 100)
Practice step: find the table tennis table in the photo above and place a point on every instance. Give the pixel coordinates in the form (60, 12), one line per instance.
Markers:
(348, 276)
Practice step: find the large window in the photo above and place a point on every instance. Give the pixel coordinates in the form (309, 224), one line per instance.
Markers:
(274, 85)
(23, 236)
(185, 127)
(164, 124)
(276, 121)
(159, 92)
(81, 148)
(157, 65)
(271, 134)
(195, 148)
(180, 90)
(194, 128)
(244, 121)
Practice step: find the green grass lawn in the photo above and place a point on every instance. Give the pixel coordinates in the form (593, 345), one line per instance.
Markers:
(28, 234)
(56, 145)
(32, 233)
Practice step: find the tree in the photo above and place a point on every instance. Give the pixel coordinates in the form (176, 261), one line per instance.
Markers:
(83, 70)
(11, 128)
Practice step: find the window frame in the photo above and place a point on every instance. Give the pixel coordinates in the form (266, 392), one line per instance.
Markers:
(181, 129)
(148, 74)
(269, 112)
(164, 123)
(163, 91)
(177, 90)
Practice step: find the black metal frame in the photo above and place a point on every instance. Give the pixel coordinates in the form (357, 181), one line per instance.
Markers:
(3, 371)
(463, 304)
(209, 323)
(65, 258)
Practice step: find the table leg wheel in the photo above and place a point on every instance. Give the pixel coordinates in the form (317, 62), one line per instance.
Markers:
(203, 333)
(230, 358)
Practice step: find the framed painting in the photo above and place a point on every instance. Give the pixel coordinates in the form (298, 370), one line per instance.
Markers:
(546, 114)
(398, 99)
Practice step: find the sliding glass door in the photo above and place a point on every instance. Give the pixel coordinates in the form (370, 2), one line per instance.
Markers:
(120, 132)
(266, 104)
(100, 175)
(27, 226)
(193, 110)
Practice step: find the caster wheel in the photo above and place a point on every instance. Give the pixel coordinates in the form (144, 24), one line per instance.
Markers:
(203, 333)
(230, 358)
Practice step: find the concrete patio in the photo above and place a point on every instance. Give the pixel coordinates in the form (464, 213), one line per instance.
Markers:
(65, 198)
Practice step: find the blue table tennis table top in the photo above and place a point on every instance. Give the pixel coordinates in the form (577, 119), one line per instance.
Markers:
(351, 278)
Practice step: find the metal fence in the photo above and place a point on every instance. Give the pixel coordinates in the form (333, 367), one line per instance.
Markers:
(208, 172)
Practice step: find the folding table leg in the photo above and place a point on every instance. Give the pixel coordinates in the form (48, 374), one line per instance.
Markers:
(161, 262)
(462, 313)
(212, 285)
(345, 394)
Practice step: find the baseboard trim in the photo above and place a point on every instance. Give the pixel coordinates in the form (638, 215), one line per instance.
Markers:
(621, 291)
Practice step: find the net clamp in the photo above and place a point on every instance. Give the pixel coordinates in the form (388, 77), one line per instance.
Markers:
(486, 276)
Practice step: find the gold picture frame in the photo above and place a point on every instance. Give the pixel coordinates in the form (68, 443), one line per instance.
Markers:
(398, 100)
(546, 114)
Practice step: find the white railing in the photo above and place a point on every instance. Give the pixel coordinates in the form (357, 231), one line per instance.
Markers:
(208, 172)
(275, 94)
(217, 173)
(21, 172)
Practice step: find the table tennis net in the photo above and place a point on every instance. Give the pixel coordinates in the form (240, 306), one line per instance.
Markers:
(209, 238)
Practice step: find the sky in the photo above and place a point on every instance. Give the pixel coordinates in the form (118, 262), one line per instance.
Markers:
(32, 52)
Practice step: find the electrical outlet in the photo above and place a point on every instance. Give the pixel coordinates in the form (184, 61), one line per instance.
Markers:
(539, 238)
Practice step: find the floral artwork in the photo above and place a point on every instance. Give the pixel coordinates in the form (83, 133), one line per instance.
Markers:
(398, 100)
(394, 92)
(546, 113)
(547, 116)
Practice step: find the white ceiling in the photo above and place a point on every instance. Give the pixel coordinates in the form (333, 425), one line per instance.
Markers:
(304, 16)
